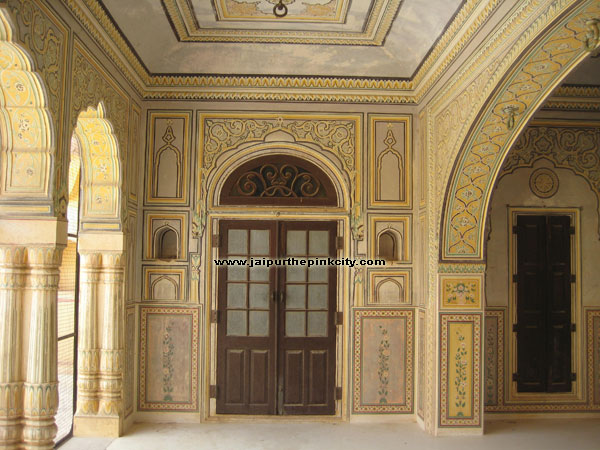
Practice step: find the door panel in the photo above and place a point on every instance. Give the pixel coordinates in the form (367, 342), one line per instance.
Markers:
(276, 329)
(308, 314)
(543, 304)
(246, 357)
(559, 307)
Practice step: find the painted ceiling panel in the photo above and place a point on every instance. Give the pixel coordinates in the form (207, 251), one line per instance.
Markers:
(372, 38)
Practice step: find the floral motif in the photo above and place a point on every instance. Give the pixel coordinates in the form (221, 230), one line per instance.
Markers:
(461, 293)
(167, 363)
(383, 371)
(460, 360)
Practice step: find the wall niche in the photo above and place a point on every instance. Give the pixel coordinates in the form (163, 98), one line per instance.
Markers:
(166, 237)
(390, 239)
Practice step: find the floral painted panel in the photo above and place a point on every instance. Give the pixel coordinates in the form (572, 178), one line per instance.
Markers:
(169, 359)
(461, 291)
(383, 361)
(460, 372)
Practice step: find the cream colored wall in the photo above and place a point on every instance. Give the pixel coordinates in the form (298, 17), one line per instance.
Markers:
(513, 190)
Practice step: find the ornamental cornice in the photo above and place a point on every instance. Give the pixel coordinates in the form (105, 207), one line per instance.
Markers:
(471, 17)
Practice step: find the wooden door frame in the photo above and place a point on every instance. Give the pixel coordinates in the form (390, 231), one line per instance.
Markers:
(210, 293)
(577, 344)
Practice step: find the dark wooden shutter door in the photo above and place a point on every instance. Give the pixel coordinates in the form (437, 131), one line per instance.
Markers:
(559, 303)
(531, 296)
(543, 304)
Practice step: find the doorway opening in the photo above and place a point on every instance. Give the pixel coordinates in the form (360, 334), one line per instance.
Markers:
(276, 325)
(544, 302)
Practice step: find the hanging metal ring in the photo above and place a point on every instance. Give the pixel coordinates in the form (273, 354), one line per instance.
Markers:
(280, 10)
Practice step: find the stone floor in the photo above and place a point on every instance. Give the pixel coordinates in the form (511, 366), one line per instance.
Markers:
(550, 434)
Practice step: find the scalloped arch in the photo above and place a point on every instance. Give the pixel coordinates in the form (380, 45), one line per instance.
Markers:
(101, 170)
(27, 142)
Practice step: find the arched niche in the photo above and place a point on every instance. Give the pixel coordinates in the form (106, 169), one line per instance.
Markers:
(166, 243)
(164, 288)
(27, 144)
(389, 291)
(101, 169)
(389, 245)
(278, 180)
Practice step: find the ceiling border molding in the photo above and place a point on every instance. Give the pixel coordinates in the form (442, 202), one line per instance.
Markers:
(574, 98)
(377, 26)
(94, 18)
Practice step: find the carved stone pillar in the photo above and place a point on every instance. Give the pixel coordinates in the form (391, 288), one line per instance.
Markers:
(101, 336)
(111, 354)
(12, 283)
(88, 350)
(41, 379)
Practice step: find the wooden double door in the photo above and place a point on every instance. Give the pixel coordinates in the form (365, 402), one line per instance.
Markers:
(276, 325)
(544, 303)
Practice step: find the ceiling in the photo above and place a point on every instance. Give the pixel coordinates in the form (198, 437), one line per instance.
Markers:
(360, 38)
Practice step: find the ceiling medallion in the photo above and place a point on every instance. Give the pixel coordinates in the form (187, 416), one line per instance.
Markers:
(280, 9)
(543, 182)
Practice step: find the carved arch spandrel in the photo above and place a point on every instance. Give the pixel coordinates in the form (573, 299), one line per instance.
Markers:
(532, 80)
(27, 141)
(101, 170)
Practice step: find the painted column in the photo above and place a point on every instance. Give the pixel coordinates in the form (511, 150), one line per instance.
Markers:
(111, 353)
(41, 378)
(12, 283)
(88, 351)
(460, 328)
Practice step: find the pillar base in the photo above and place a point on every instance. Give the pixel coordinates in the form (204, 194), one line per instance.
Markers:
(97, 426)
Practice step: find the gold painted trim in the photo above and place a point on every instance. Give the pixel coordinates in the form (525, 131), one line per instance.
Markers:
(337, 89)
(406, 274)
(577, 394)
(159, 270)
(408, 167)
(152, 116)
(150, 217)
(373, 33)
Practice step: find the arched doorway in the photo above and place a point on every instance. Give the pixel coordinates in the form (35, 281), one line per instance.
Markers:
(274, 204)
(276, 332)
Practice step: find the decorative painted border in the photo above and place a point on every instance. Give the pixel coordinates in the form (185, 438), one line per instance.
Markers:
(149, 217)
(152, 116)
(474, 420)
(406, 274)
(407, 240)
(593, 358)
(374, 30)
(494, 361)
(129, 379)
(107, 35)
(359, 315)
(408, 166)
(181, 271)
(134, 150)
(499, 123)
(156, 406)
(421, 364)
(465, 288)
